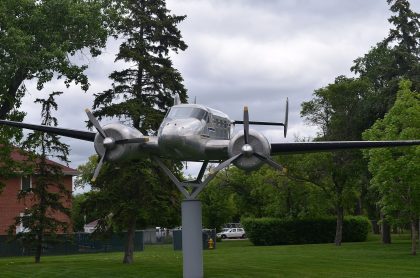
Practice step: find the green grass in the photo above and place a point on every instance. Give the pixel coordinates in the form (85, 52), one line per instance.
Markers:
(234, 259)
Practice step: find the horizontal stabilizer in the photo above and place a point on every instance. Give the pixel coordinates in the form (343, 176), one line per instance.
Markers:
(286, 119)
(258, 123)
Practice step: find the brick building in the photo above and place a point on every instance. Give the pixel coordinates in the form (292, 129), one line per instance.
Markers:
(10, 206)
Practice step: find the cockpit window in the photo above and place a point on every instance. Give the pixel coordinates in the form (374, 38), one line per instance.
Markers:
(187, 112)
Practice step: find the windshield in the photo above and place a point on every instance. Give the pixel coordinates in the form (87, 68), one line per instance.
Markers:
(187, 112)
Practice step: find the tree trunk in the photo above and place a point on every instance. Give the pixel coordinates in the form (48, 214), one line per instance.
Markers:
(413, 237)
(8, 101)
(385, 230)
(339, 227)
(129, 245)
(38, 249)
(358, 207)
(375, 227)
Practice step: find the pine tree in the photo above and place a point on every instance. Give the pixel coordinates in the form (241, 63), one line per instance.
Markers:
(140, 96)
(48, 195)
(145, 89)
(393, 59)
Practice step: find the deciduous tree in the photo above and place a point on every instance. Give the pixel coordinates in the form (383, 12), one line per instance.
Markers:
(38, 39)
(396, 171)
(341, 112)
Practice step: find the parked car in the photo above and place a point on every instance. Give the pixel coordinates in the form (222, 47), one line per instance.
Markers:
(232, 233)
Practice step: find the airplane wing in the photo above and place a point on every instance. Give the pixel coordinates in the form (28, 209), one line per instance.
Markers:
(300, 147)
(72, 133)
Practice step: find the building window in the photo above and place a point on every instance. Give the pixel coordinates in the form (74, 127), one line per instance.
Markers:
(23, 226)
(25, 182)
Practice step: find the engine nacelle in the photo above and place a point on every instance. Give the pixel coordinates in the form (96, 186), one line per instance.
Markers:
(118, 151)
(259, 144)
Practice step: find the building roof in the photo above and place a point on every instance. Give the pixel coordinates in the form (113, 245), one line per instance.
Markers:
(91, 224)
(19, 155)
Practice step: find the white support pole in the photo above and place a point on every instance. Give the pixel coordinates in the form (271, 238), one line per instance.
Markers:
(192, 237)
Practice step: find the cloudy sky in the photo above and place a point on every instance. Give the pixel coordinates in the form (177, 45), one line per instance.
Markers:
(245, 52)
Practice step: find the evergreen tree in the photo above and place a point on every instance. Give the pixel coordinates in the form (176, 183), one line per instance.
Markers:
(394, 58)
(147, 88)
(140, 96)
(48, 195)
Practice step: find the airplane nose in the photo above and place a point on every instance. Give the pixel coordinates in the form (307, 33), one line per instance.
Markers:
(170, 129)
(181, 128)
(178, 138)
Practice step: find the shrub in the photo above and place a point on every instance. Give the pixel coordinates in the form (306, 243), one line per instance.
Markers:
(275, 231)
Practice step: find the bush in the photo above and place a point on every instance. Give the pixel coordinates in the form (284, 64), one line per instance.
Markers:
(275, 231)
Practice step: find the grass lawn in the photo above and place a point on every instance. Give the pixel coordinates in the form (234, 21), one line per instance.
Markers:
(234, 259)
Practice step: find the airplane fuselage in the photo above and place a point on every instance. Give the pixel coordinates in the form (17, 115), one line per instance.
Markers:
(191, 132)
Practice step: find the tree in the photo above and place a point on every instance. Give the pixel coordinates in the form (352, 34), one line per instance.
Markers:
(234, 194)
(128, 195)
(146, 88)
(394, 58)
(406, 37)
(324, 171)
(140, 96)
(80, 217)
(51, 32)
(48, 195)
(218, 204)
(396, 171)
(341, 111)
(38, 40)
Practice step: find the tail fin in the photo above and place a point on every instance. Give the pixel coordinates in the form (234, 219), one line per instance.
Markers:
(177, 99)
(286, 117)
(284, 125)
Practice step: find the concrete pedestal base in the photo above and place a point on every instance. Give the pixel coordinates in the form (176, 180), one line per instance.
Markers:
(192, 246)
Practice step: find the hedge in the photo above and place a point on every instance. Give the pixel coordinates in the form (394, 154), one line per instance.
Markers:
(275, 231)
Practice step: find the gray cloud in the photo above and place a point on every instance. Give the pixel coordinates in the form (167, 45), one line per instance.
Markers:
(244, 52)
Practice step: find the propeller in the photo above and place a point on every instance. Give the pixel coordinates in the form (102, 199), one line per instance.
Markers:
(109, 143)
(247, 149)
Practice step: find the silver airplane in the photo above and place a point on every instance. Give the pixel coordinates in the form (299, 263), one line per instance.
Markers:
(193, 132)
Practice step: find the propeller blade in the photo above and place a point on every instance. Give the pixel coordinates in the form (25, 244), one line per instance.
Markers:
(246, 125)
(269, 161)
(95, 123)
(98, 168)
(133, 140)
